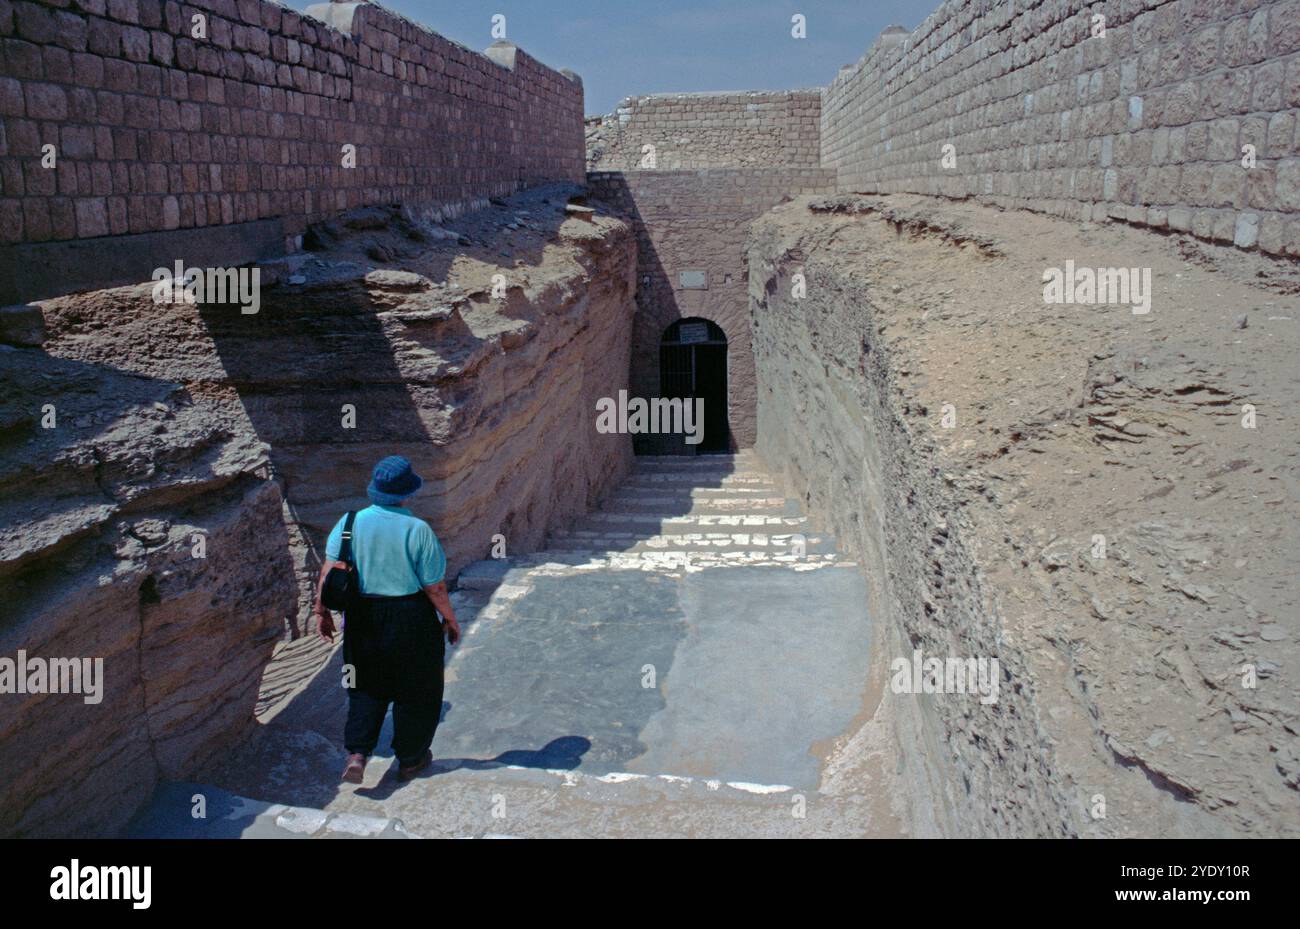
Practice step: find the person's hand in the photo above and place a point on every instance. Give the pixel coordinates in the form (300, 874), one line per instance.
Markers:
(325, 629)
(452, 628)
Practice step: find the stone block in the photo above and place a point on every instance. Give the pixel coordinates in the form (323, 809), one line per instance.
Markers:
(1246, 230)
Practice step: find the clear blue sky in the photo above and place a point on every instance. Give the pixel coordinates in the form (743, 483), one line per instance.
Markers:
(629, 47)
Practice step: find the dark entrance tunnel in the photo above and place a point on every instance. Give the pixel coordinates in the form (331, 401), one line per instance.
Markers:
(693, 365)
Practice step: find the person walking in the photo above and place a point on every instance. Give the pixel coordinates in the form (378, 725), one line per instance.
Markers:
(392, 639)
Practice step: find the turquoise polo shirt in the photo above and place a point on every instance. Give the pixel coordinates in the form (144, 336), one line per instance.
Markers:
(396, 553)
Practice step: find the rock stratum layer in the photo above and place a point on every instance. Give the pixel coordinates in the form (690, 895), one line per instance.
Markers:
(1067, 488)
(169, 471)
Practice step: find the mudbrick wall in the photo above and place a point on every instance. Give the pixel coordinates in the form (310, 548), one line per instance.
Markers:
(157, 126)
(1142, 115)
(697, 221)
(1078, 492)
(708, 130)
(168, 472)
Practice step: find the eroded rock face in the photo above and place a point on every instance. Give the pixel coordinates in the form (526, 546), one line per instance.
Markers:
(142, 528)
(1072, 489)
(182, 429)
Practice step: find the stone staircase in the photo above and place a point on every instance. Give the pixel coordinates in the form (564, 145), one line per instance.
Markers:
(674, 664)
(675, 513)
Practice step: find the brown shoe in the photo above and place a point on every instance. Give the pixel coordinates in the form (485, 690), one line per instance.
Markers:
(356, 769)
(406, 772)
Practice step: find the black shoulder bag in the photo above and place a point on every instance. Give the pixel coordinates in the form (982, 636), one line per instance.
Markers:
(341, 585)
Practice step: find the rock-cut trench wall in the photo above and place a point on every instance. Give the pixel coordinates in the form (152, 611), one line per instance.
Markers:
(168, 472)
(837, 432)
(1059, 488)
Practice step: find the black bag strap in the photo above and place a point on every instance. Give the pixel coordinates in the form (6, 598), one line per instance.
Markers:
(345, 547)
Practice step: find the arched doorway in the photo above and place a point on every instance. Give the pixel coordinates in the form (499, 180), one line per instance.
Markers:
(693, 364)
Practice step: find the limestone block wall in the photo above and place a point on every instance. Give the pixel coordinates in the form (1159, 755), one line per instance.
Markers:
(708, 130)
(154, 129)
(1145, 120)
(720, 161)
(698, 221)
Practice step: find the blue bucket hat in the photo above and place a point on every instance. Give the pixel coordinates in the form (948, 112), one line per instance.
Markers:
(393, 481)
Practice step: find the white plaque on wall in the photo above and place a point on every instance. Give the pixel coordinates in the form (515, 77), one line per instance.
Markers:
(692, 332)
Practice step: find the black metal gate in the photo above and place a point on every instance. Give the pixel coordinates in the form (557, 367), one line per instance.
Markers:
(693, 364)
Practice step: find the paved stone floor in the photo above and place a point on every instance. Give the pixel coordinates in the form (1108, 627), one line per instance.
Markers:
(676, 664)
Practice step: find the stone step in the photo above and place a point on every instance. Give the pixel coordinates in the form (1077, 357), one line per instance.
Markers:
(701, 478)
(705, 495)
(718, 464)
(584, 559)
(170, 815)
(685, 534)
(735, 491)
(575, 554)
(521, 570)
(461, 798)
(737, 553)
(670, 508)
(710, 463)
(724, 458)
(669, 472)
(719, 542)
(672, 481)
(694, 521)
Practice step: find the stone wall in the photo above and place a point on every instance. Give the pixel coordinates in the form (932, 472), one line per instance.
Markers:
(720, 161)
(698, 221)
(155, 130)
(1144, 122)
(708, 130)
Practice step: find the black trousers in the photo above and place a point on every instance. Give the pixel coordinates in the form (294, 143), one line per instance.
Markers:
(395, 648)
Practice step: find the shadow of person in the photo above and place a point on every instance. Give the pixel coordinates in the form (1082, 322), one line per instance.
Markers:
(561, 754)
